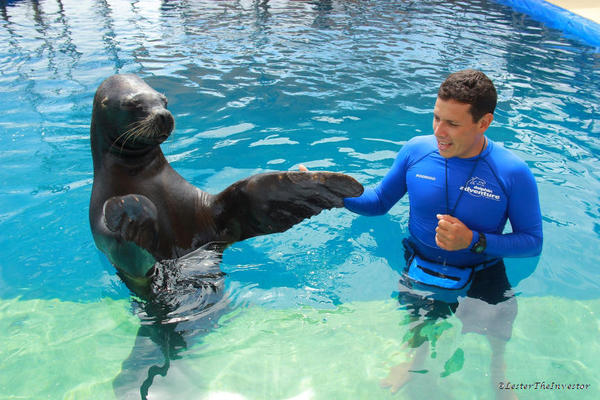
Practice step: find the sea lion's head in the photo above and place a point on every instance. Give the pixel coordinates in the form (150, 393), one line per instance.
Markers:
(129, 117)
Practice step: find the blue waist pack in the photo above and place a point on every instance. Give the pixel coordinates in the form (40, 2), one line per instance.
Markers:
(438, 275)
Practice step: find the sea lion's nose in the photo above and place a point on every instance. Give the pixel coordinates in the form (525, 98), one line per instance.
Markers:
(164, 119)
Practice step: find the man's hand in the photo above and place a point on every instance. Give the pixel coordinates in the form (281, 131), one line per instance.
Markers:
(451, 234)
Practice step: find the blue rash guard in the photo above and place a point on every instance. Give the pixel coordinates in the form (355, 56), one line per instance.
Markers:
(500, 187)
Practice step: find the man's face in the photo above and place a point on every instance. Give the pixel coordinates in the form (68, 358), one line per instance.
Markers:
(456, 133)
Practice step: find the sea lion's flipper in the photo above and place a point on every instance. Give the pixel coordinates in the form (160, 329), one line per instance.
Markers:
(274, 202)
(134, 218)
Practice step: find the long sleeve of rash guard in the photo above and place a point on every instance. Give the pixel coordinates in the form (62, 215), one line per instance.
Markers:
(525, 218)
(379, 200)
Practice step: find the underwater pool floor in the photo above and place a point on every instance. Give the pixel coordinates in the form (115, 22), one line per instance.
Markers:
(304, 353)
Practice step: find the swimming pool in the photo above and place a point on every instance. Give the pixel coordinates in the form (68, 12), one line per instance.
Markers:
(258, 86)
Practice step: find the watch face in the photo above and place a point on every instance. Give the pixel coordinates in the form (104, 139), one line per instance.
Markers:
(479, 246)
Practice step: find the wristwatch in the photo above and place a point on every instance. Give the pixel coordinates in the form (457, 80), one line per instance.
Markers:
(479, 246)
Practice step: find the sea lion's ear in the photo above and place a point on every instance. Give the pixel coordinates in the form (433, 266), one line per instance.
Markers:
(274, 202)
(104, 102)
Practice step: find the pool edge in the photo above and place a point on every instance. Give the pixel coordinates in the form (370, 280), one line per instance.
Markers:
(559, 18)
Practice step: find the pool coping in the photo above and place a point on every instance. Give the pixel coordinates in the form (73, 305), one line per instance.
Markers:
(556, 17)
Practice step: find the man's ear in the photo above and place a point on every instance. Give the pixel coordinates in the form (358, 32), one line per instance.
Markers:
(485, 122)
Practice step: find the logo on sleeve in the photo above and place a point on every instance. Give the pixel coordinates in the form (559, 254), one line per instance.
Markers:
(477, 187)
(429, 178)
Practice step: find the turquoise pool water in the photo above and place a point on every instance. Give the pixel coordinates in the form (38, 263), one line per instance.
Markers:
(257, 86)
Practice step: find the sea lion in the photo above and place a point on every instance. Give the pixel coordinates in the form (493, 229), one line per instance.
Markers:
(142, 211)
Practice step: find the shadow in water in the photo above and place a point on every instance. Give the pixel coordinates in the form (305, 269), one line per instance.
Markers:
(186, 300)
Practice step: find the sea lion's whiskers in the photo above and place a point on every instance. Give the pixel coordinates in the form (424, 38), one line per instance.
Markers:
(137, 129)
(126, 135)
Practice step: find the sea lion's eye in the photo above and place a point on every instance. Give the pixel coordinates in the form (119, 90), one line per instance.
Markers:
(130, 103)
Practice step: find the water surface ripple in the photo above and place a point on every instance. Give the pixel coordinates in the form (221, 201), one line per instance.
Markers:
(263, 85)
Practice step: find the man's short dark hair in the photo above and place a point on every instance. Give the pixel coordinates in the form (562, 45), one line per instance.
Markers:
(470, 87)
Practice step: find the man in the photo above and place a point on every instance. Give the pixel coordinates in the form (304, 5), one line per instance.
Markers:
(462, 188)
